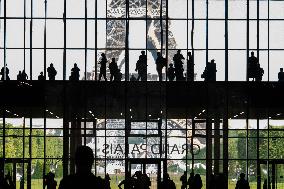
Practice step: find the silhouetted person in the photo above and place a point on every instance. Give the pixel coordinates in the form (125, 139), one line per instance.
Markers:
(75, 73)
(103, 63)
(254, 70)
(41, 77)
(281, 75)
(209, 74)
(107, 181)
(178, 57)
(190, 180)
(242, 183)
(141, 67)
(83, 178)
(113, 69)
(49, 181)
(183, 180)
(132, 78)
(146, 181)
(128, 182)
(197, 182)
(7, 73)
(171, 72)
(118, 76)
(24, 76)
(267, 185)
(167, 183)
(190, 67)
(19, 76)
(51, 72)
(161, 62)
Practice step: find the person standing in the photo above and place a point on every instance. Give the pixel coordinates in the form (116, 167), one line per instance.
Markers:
(103, 63)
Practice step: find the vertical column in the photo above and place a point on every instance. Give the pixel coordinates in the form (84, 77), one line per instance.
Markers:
(96, 39)
(86, 39)
(64, 50)
(65, 135)
(5, 38)
(207, 25)
(126, 42)
(31, 40)
(217, 145)
(208, 148)
(226, 41)
(75, 140)
(44, 50)
(247, 48)
(225, 139)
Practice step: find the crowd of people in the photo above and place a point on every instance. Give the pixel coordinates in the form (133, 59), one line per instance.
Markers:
(84, 178)
(174, 71)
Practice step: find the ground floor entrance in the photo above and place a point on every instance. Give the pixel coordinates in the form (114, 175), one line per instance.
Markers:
(271, 174)
(16, 171)
(153, 168)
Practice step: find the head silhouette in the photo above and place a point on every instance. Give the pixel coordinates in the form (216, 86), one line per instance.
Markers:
(171, 65)
(158, 54)
(178, 51)
(103, 55)
(51, 65)
(189, 53)
(113, 59)
(41, 73)
(75, 65)
(143, 52)
(252, 53)
(84, 159)
(281, 69)
(242, 175)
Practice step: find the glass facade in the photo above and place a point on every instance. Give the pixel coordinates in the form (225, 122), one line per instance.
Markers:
(220, 127)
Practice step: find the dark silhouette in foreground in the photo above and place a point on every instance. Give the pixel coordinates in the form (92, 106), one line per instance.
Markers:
(103, 63)
(75, 73)
(209, 74)
(51, 72)
(113, 69)
(49, 182)
(190, 180)
(22, 76)
(83, 178)
(7, 73)
(281, 75)
(190, 67)
(254, 70)
(242, 183)
(183, 180)
(141, 67)
(167, 183)
(197, 182)
(171, 72)
(41, 77)
(161, 62)
(178, 57)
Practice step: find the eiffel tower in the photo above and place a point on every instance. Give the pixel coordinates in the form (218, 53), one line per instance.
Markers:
(116, 29)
